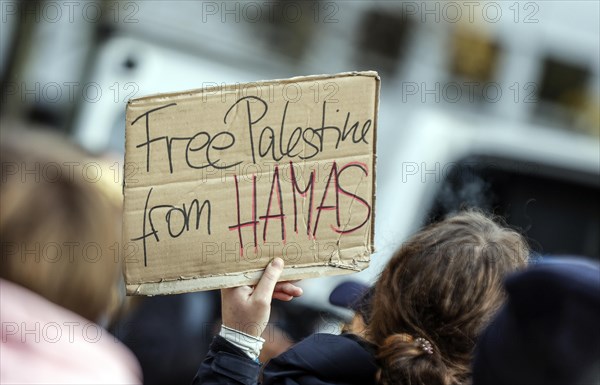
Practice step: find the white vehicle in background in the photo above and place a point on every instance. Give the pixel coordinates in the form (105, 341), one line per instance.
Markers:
(530, 175)
(513, 151)
(431, 157)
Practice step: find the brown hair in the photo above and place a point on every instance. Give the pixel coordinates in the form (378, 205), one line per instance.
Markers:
(439, 290)
(58, 226)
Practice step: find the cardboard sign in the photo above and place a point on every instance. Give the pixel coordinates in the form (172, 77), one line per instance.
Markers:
(220, 181)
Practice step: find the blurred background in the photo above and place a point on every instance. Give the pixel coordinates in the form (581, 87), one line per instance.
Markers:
(486, 104)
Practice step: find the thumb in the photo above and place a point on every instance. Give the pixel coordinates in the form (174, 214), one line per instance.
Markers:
(266, 285)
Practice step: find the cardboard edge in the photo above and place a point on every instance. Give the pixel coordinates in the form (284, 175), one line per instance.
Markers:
(124, 241)
(376, 126)
(229, 87)
(234, 280)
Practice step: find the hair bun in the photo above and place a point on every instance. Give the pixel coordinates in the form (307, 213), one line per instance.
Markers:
(414, 359)
(405, 345)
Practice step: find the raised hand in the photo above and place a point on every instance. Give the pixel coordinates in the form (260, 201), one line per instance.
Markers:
(247, 308)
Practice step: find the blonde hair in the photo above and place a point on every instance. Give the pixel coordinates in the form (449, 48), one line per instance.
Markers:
(58, 226)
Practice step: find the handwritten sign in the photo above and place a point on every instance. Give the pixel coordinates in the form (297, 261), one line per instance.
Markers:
(220, 181)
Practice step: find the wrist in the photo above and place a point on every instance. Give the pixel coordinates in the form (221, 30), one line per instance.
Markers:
(251, 329)
(249, 344)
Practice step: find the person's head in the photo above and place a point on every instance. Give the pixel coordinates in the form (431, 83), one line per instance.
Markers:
(58, 228)
(547, 332)
(355, 296)
(437, 293)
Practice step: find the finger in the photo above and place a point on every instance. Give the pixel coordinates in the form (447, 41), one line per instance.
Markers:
(282, 296)
(241, 292)
(265, 287)
(289, 289)
(286, 282)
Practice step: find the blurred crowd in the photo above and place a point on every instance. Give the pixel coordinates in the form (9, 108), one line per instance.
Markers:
(459, 302)
(487, 225)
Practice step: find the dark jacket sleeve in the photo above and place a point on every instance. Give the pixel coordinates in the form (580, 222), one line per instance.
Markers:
(323, 359)
(320, 359)
(226, 364)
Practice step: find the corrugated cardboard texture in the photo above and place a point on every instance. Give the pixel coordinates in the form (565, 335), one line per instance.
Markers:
(220, 181)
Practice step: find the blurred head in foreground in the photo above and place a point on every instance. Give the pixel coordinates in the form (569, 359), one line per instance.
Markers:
(436, 295)
(58, 223)
(548, 331)
(355, 296)
(59, 270)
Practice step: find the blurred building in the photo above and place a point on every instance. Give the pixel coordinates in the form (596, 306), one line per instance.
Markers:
(493, 104)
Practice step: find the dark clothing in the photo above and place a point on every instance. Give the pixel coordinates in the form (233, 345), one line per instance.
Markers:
(320, 359)
(170, 334)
